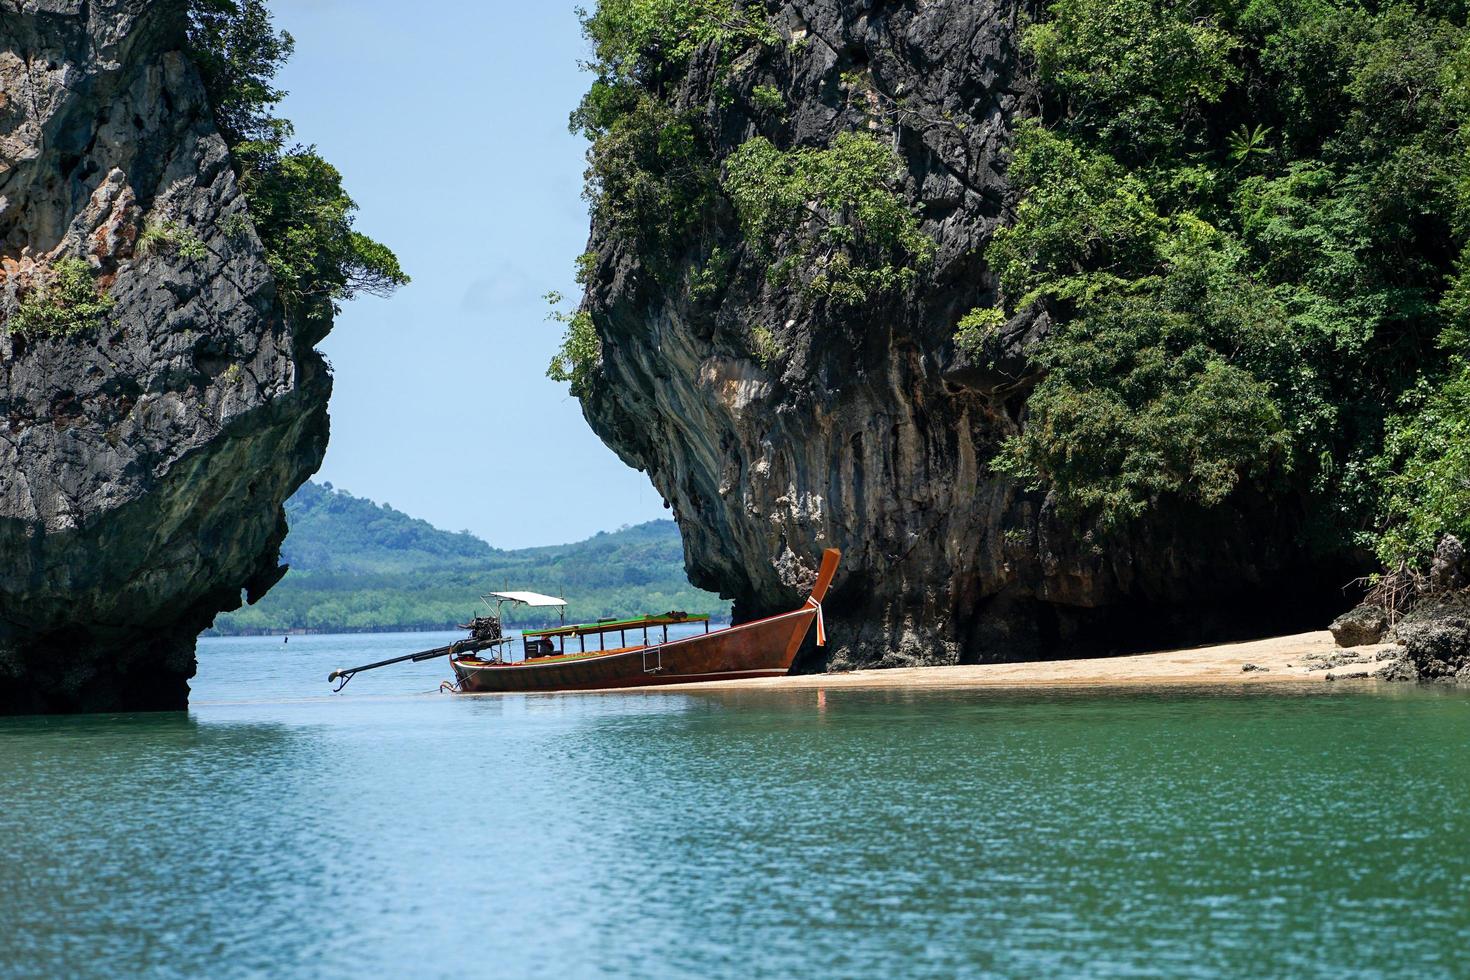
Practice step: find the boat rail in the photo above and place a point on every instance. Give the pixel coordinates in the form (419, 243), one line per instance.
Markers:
(534, 639)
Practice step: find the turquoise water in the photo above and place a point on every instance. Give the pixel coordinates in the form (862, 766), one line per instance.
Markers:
(391, 830)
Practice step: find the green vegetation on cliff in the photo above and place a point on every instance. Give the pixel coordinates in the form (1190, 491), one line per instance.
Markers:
(868, 239)
(651, 177)
(576, 358)
(1248, 221)
(357, 565)
(829, 218)
(299, 208)
(64, 301)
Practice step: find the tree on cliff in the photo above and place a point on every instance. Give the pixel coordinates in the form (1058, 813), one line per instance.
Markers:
(1249, 224)
(300, 210)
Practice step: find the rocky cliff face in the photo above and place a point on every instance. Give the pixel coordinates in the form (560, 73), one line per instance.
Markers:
(143, 460)
(868, 430)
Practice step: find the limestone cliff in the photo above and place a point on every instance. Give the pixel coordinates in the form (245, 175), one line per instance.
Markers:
(861, 426)
(143, 459)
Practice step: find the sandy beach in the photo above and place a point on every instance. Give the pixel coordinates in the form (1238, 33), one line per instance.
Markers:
(1294, 659)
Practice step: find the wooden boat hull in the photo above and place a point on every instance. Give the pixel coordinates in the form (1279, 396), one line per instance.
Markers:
(763, 648)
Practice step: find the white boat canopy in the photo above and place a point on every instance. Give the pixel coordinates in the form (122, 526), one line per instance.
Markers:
(528, 598)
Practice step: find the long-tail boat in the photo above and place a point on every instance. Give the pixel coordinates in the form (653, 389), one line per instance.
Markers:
(760, 648)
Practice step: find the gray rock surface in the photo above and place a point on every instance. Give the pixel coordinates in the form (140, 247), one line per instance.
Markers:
(1320, 662)
(1435, 637)
(1360, 626)
(143, 462)
(871, 432)
(1400, 668)
(1438, 648)
(1447, 570)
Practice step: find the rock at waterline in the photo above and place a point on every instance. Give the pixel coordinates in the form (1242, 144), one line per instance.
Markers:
(777, 425)
(1437, 648)
(146, 456)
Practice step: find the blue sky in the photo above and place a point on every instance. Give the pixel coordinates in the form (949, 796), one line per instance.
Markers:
(448, 122)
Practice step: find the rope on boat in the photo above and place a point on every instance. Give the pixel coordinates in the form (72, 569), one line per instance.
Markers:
(821, 625)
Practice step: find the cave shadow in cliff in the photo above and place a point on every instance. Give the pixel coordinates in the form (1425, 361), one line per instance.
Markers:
(1017, 628)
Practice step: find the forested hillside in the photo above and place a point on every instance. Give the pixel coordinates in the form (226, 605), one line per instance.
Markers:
(357, 565)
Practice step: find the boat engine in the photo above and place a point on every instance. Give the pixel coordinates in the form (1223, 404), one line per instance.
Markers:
(483, 628)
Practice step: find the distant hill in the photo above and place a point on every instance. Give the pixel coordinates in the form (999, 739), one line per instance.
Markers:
(357, 565)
